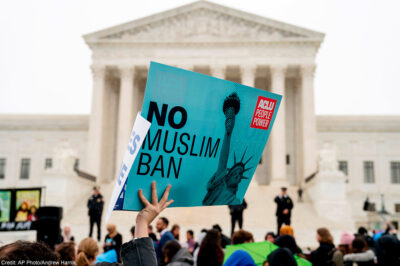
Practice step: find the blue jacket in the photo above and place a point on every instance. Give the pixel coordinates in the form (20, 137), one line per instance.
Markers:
(167, 236)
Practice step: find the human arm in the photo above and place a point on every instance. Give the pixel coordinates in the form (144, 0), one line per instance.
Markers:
(360, 257)
(276, 200)
(151, 210)
(105, 242)
(244, 203)
(101, 203)
(290, 204)
(118, 242)
(141, 250)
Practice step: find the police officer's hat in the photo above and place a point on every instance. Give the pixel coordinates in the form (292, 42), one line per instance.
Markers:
(283, 189)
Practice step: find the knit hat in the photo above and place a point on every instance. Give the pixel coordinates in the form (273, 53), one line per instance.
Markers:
(346, 238)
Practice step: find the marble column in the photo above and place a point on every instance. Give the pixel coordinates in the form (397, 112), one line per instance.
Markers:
(278, 133)
(126, 114)
(248, 75)
(307, 120)
(218, 71)
(96, 124)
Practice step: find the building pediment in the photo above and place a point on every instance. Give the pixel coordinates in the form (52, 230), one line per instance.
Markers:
(202, 22)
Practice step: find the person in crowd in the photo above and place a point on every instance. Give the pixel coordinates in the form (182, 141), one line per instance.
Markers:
(241, 257)
(32, 213)
(280, 257)
(323, 254)
(202, 235)
(224, 239)
(113, 240)
(66, 251)
(390, 229)
(175, 255)
(283, 209)
(87, 252)
(25, 250)
(387, 250)
(236, 212)
(165, 235)
(66, 235)
(286, 230)
(210, 252)
(133, 232)
(190, 242)
(140, 251)
(175, 231)
(288, 241)
(360, 253)
(242, 236)
(270, 236)
(95, 205)
(363, 232)
(152, 235)
(344, 248)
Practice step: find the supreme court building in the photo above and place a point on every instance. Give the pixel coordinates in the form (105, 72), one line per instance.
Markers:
(304, 150)
(217, 41)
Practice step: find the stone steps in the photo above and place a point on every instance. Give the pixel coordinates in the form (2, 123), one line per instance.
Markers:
(259, 217)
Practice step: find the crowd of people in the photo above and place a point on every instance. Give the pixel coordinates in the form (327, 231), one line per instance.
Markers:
(208, 248)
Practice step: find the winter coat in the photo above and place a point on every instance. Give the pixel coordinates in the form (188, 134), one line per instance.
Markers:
(238, 209)
(95, 205)
(337, 258)
(139, 252)
(363, 258)
(281, 257)
(387, 250)
(167, 236)
(182, 258)
(322, 256)
(283, 203)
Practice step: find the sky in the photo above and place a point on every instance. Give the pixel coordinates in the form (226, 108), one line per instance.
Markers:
(44, 62)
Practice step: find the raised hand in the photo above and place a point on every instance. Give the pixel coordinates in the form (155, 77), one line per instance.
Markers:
(151, 210)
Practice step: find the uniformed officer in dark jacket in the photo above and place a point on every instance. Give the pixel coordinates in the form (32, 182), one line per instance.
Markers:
(95, 205)
(236, 212)
(283, 209)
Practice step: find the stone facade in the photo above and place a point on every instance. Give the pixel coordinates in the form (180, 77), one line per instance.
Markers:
(40, 137)
(359, 139)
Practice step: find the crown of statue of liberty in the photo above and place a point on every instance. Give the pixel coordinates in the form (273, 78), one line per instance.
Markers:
(241, 164)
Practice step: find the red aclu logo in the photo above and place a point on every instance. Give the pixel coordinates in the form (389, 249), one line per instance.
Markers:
(263, 114)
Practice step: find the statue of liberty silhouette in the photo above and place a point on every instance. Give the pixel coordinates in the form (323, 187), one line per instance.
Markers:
(223, 185)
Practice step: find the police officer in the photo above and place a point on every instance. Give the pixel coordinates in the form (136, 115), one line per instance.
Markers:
(283, 208)
(236, 212)
(95, 205)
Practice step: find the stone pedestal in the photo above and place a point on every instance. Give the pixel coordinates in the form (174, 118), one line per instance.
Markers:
(328, 189)
(63, 186)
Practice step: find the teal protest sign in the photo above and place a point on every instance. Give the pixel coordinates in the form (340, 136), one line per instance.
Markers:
(206, 138)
